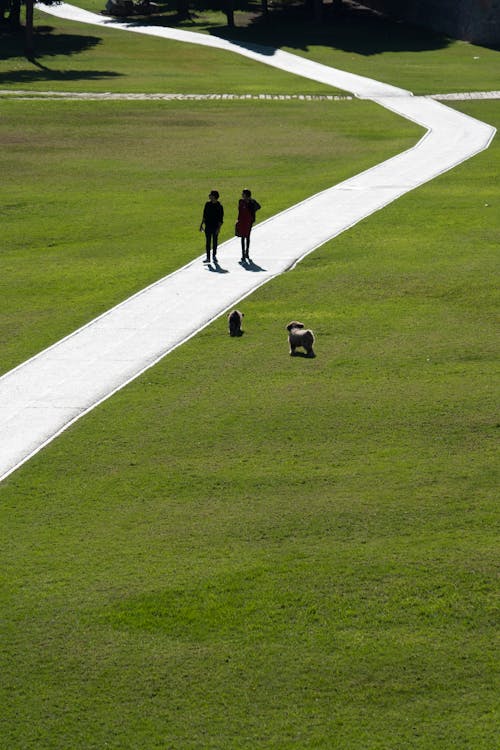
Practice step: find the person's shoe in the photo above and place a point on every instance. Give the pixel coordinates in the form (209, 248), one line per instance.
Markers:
(207, 260)
(214, 258)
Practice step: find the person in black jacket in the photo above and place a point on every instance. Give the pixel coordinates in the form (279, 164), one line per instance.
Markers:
(213, 217)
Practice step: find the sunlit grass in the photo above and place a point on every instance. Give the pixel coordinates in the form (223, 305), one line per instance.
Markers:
(114, 198)
(243, 549)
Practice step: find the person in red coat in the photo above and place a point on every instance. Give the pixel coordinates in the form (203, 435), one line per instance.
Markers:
(247, 207)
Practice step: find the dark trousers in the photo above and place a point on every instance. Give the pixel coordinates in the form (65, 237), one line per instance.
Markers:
(212, 236)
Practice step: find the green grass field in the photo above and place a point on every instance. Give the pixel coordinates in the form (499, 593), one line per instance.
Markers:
(103, 216)
(241, 549)
(80, 57)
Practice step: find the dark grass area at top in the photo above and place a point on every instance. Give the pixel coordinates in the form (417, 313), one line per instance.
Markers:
(71, 56)
(356, 39)
(247, 550)
(102, 199)
(78, 57)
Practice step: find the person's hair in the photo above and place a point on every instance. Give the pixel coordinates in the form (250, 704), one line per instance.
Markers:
(215, 193)
(247, 193)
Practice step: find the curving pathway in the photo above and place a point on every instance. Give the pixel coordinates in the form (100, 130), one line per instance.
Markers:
(45, 395)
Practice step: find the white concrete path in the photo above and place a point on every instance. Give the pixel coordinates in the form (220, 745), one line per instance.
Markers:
(43, 396)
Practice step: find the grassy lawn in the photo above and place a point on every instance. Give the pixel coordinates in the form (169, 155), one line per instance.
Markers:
(241, 549)
(112, 200)
(77, 57)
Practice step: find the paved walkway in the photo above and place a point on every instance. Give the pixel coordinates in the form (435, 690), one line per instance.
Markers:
(42, 397)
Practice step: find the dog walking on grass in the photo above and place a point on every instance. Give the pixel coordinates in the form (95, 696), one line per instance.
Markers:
(298, 336)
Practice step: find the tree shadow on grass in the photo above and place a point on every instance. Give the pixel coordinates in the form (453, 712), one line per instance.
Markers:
(48, 44)
(41, 73)
(345, 26)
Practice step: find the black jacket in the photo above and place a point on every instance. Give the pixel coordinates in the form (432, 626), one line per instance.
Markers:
(213, 214)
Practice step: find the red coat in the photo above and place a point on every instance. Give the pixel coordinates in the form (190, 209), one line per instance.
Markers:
(246, 216)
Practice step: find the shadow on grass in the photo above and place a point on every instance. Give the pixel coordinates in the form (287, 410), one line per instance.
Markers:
(345, 26)
(41, 73)
(303, 355)
(48, 44)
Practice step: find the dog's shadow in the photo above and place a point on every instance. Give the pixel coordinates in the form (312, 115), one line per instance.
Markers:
(237, 335)
(249, 265)
(304, 355)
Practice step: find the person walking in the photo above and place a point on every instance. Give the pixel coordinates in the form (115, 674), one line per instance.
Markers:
(213, 218)
(247, 208)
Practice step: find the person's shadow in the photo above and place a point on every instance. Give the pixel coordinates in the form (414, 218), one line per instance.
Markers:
(214, 267)
(249, 265)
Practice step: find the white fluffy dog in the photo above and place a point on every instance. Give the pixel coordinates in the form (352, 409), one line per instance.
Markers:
(300, 336)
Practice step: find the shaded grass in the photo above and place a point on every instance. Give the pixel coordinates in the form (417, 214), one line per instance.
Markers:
(102, 199)
(79, 57)
(361, 42)
(247, 550)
